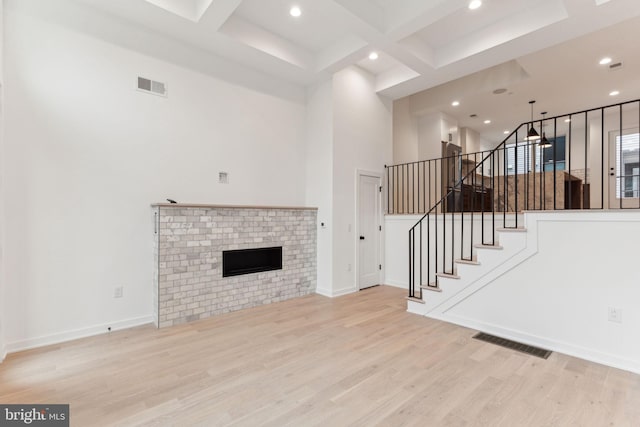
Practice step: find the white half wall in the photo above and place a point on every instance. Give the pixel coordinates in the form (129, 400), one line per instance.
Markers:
(555, 291)
(396, 249)
(85, 156)
(559, 298)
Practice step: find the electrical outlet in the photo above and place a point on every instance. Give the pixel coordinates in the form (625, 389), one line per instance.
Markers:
(615, 315)
(118, 292)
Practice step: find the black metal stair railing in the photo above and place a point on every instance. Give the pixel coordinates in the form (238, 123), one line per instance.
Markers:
(594, 152)
(414, 187)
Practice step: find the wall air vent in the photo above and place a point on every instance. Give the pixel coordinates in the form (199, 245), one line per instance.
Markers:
(616, 66)
(152, 86)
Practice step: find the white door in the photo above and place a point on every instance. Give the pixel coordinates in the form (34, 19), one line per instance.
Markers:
(369, 231)
(624, 165)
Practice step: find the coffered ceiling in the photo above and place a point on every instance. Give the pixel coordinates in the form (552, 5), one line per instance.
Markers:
(421, 43)
(435, 51)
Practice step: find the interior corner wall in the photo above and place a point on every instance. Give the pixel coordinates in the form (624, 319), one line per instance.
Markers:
(362, 140)
(319, 175)
(449, 130)
(85, 156)
(470, 140)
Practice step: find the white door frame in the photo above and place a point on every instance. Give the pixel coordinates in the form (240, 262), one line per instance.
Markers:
(380, 176)
(611, 159)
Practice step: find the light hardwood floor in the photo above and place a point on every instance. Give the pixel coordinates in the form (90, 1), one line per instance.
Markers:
(358, 360)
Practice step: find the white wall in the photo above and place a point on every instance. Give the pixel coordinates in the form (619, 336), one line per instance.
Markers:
(559, 298)
(470, 141)
(405, 132)
(429, 137)
(449, 126)
(319, 175)
(85, 156)
(362, 131)
(2, 269)
(554, 291)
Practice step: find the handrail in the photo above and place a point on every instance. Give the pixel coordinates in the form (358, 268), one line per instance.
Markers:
(522, 189)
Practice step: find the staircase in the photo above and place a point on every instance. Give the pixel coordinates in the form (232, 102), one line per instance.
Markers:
(478, 229)
(470, 275)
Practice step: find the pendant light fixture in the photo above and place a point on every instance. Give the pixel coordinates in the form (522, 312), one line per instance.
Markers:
(544, 143)
(532, 133)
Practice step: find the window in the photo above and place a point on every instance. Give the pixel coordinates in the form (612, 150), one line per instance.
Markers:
(548, 157)
(522, 160)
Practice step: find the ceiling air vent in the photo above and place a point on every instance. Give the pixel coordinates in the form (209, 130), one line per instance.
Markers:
(616, 66)
(152, 86)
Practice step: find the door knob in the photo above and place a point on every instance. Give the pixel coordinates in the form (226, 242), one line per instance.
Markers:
(361, 237)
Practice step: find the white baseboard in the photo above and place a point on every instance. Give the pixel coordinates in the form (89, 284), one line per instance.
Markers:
(60, 337)
(333, 294)
(553, 345)
(3, 354)
(396, 284)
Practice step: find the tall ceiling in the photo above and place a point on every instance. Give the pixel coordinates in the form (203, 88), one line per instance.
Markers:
(435, 51)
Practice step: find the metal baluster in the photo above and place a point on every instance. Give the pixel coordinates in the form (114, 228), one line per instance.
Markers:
(555, 148)
(584, 182)
(602, 158)
(569, 164)
(420, 259)
(619, 173)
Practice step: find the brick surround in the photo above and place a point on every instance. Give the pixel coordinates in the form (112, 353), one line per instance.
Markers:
(188, 245)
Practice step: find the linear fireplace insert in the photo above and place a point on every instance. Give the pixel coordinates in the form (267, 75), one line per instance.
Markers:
(247, 261)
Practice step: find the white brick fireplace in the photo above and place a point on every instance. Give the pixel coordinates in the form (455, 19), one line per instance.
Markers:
(189, 241)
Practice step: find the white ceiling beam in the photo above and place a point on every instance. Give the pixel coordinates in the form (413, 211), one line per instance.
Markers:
(267, 42)
(342, 54)
(543, 14)
(418, 14)
(218, 13)
(394, 77)
(366, 11)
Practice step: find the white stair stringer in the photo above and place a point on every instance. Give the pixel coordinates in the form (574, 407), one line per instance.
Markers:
(515, 247)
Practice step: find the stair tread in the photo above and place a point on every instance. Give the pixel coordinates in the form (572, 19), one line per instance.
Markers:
(432, 288)
(482, 246)
(448, 275)
(468, 261)
(418, 300)
(513, 230)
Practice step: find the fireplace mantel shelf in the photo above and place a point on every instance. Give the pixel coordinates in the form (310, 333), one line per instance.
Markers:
(207, 206)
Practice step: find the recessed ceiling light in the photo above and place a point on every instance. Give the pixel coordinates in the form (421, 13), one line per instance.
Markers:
(606, 60)
(506, 132)
(474, 4)
(614, 93)
(295, 11)
(567, 121)
(373, 56)
(486, 122)
(455, 103)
